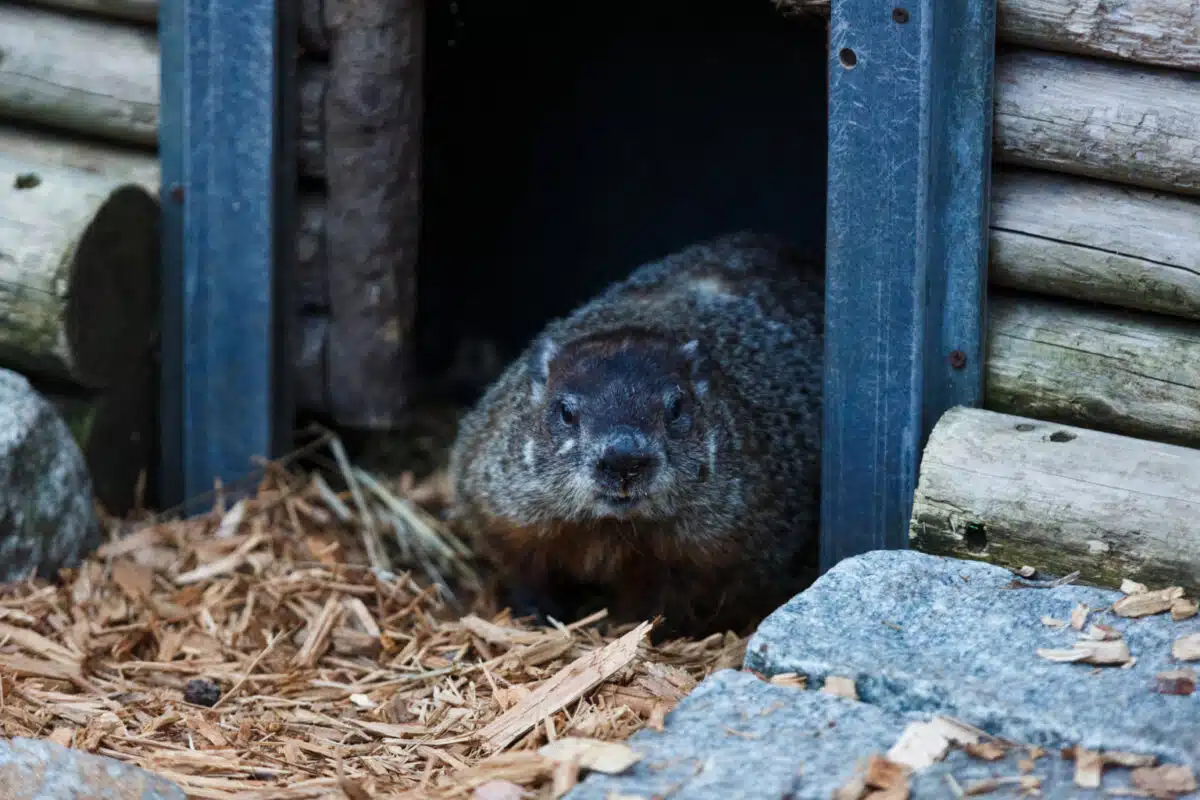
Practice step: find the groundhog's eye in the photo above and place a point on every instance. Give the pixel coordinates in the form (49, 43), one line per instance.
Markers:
(569, 417)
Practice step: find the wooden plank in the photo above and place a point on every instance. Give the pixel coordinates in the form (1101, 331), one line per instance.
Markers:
(130, 10)
(226, 157)
(78, 273)
(906, 220)
(1119, 122)
(1016, 491)
(79, 74)
(1122, 371)
(1156, 32)
(373, 111)
(1074, 237)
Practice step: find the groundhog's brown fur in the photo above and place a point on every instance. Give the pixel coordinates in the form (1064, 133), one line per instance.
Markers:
(661, 444)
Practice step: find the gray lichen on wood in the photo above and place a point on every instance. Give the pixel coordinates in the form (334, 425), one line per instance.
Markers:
(1120, 122)
(1016, 491)
(74, 73)
(1089, 240)
(1123, 371)
(78, 273)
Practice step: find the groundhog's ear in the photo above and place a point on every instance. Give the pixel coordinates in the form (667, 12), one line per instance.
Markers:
(697, 359)
(541, 353)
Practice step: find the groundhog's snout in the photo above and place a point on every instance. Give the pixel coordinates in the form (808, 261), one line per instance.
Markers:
(626, 464)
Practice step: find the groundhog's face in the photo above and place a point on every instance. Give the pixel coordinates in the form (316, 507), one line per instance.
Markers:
(624, 431)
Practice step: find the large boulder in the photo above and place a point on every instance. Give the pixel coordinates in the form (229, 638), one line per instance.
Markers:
(919, 637)
(47, 517)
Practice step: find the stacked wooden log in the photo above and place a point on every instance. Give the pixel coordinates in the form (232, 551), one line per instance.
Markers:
(79, 246)
(359, 151)
(1095, 231)
(1095, 303)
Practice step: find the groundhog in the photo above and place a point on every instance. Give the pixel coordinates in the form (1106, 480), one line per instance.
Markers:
(658, 449)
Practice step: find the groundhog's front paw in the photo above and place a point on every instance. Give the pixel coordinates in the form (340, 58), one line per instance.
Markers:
(525, 601)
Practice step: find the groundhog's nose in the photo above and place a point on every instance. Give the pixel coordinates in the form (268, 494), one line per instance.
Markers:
(625, 462)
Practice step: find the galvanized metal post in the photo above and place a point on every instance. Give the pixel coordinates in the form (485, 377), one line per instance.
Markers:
(225, 142)
(910, 118)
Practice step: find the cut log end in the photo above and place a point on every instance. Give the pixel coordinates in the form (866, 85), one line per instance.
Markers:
(112, 296)
(79, 274)
(1014, 490)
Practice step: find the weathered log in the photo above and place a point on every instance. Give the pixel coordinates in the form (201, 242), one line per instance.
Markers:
(312, 80)
(312, 264)
(309, 365)
(1017, 491)
(108, 160)
(132, 10)
(314, 33)
(1121, 122)
(116, 430)
(1075, 237)
(373, 113)
(1157, 32)
(1110, 369)
(78, 273)
(74, 73)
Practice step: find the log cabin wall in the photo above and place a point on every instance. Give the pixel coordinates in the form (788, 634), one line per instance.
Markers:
(1094, 283)
(79, 264)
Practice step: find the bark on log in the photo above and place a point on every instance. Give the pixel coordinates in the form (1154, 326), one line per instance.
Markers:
(314, 35)
(78, 273)
(310, 382)
(312, 264)
(116, 430)
(1079, 238)
(312, 80)
(131, 10)
(1120, 122)
(373, 112)
(1156, 32)
(106, 160)
(1016, 491)
(90, 76)
(1122, 371)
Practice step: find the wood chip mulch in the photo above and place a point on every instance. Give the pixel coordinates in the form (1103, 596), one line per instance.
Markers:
(251, 653)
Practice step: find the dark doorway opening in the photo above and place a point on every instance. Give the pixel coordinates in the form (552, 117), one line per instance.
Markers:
(567, 144)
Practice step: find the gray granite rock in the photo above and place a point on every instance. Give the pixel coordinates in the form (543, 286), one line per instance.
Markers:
(736, 736)
(922, 633)
(47, 519)
(40, 770)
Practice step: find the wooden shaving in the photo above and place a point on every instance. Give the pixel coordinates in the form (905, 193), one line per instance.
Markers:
(1165, 781)
(1176, 682)
(610, 758)
(1089, 768)
(329, 679)
(790, 679)
(1100, 653)
(987, 751)
(1146, 603)
(1079, 616)
(840, 687)
(1133, 587)
(1184, 608)
(1186, 648)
